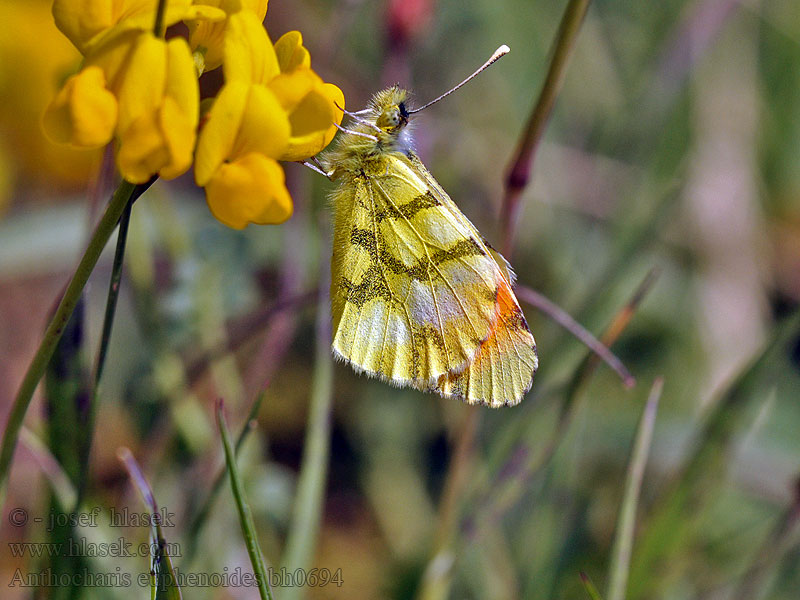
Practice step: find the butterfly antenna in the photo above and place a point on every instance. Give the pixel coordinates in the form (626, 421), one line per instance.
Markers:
(500, 52)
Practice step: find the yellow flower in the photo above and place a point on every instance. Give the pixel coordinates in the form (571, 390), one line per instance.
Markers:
(140, 89)
(263, 114)
(310, 102)
(88, 23)
(206, 36)
(34, 57)
(245, 132)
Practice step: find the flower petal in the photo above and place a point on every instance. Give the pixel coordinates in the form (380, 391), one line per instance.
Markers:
(249, 190)
(88, 23)
(218, 135)
(178, 131)
(265, 125)
(142, 151)
(82, 20)
(291, 53)
(141, 87)
(313, 122)
(291, 88)
(248, 52)
(181, 82)
(84, 112)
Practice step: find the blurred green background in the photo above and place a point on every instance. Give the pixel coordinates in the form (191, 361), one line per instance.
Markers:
(674, 145)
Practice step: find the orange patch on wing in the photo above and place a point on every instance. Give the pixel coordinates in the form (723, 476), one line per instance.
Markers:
(503, 369)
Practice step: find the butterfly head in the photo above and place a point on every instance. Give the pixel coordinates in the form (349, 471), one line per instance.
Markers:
(380, 129)
(390, 110)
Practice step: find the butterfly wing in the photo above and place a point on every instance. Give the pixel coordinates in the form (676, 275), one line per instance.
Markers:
(414, 289)
(502, 371)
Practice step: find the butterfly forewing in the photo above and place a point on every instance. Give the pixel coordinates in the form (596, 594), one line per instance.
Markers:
(413, 288)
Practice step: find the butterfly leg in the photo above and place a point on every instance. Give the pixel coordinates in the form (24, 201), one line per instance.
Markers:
(358, 133)
(356, 117)
(314, 164)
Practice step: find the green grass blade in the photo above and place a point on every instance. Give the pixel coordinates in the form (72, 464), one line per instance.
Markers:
(590, 588)
(198, 521)
(623, 539)
(245, 515)
(125, 193)
(307, 515)
(672, 518)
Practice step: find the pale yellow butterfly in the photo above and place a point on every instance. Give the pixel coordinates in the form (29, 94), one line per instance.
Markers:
(418, 297)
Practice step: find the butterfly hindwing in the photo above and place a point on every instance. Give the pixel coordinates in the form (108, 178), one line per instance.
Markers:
(503, 369)
(413, 288)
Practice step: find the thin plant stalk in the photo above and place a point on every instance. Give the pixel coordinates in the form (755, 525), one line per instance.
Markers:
(438, 574)
(519, 174)
(623, 538)
(306, 518)
(113, 293)
(245, 515)
(560, 316)
(158, 27)
(105, 337)
(122, 196)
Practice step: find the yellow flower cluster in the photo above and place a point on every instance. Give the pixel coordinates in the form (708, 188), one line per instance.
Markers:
(141, 91)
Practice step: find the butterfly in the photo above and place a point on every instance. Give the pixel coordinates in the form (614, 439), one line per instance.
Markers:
(418, 297)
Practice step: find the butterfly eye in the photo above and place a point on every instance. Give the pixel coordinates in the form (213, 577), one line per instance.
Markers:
(392, 118)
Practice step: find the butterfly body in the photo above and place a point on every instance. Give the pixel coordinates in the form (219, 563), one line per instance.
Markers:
(418, 297)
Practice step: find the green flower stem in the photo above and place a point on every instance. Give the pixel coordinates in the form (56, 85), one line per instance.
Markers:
(55, 329)
(113, 293)
(105, 337)
(245, 516)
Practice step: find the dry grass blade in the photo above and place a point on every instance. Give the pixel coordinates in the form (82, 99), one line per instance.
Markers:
(241, 330)
(162, 582)
(523, 463)
(614, 330)
(560, 316)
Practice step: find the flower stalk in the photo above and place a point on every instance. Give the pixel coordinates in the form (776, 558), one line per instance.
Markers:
(122, 196)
